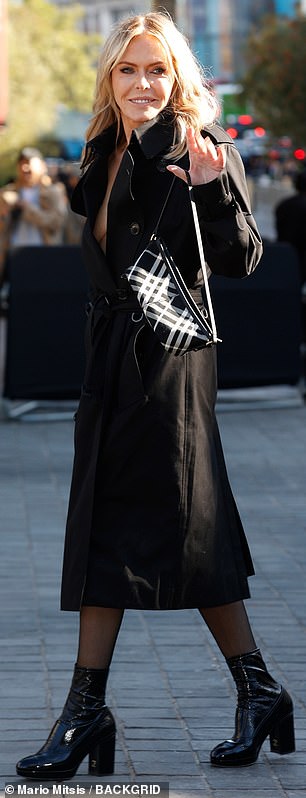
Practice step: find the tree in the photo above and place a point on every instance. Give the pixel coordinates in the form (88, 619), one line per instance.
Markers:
(51, 62)
(275, 79)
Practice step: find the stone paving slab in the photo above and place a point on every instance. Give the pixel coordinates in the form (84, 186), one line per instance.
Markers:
(169, 688)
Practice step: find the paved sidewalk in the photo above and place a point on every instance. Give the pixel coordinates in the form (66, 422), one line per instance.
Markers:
(169, 687)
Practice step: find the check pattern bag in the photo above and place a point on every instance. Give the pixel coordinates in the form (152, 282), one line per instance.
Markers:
(166, 302)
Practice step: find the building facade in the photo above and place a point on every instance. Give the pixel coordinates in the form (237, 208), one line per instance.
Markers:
(218, 30)
(101, 15)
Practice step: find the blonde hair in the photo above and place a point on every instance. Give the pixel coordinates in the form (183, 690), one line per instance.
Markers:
(192, 102)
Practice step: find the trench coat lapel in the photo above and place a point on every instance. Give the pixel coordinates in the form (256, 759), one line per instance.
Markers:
(122, 246)
(91, 187)
(90, 190)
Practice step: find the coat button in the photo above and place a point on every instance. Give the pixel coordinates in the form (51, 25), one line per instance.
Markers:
(135, 228)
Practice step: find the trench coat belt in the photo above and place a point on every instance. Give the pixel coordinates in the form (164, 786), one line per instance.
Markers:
(103, 307)
(123, 299)
(100, 315)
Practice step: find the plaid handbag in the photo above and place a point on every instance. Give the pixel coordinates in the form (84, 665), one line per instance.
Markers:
(166, 302)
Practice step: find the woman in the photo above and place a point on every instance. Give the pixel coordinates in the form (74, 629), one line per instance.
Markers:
(152, 523)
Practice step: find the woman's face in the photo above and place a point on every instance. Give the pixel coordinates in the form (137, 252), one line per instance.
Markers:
(142, 82)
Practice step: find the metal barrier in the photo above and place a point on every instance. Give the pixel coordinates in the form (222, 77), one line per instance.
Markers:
(258, 320)
(44, 357)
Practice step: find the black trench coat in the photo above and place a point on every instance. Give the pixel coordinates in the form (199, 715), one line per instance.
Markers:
(152, 522)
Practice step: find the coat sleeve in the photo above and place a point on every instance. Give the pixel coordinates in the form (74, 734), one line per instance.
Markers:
(232, 243)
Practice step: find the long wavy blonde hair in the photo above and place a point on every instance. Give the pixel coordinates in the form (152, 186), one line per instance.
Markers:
(192, 102)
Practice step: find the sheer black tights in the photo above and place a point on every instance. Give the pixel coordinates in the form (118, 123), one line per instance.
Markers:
(100, 626)
(230, 626)
(99, 629)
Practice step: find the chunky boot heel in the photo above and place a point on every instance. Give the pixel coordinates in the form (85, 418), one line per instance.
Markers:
(102, 757)
(264, 709)
(86, 726)
(282, 740)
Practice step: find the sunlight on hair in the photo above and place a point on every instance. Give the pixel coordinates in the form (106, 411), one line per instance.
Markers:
(192, 102)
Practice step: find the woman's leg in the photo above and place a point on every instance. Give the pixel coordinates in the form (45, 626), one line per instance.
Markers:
(99, 629)
(264, 707)
(86, 725)
(229, 625)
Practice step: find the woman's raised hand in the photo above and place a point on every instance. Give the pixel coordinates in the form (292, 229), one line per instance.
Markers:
(206, 160)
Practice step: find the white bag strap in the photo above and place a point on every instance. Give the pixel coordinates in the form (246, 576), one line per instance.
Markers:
(202, 259)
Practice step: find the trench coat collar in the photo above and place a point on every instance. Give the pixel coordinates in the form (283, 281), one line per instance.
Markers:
(156, 139)
(152, 140)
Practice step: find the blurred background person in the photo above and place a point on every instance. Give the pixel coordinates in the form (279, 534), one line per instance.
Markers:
(33, 210)
(290, 220)
(290, 217)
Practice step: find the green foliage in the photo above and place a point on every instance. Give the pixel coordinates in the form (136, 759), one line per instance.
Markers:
(51, 62)
(275, 80)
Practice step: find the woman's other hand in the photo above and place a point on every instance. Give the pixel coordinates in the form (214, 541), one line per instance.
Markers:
(206, 160)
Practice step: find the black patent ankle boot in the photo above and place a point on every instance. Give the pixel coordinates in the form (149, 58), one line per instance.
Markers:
(86, 726)
(264, 709)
